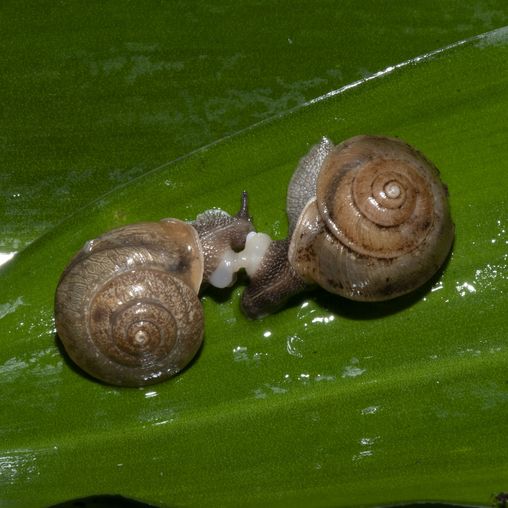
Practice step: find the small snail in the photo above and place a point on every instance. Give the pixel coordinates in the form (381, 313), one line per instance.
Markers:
(368, 220)
(126, 307)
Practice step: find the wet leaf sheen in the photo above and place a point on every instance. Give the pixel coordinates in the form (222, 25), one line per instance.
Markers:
(327, 403)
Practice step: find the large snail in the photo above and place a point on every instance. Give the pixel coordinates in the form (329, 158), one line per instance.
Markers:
(368, 220)
(126, 307)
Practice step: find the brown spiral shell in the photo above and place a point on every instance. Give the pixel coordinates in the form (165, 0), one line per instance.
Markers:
(127, 310)
(379, 225)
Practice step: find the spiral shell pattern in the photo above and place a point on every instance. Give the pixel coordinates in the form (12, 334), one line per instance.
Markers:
(377, 195)
(127, 309)
(379, 225)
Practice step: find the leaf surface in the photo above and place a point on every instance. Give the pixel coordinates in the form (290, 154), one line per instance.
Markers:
(327, 403)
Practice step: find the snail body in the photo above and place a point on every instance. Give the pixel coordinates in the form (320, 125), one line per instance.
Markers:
(368, 220)
(127, 309)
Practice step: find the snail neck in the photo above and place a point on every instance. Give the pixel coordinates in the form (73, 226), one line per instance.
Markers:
(273, 283)
(256, 245)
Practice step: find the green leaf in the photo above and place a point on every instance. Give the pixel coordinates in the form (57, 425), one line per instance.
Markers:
(327, 403)
(97, 93)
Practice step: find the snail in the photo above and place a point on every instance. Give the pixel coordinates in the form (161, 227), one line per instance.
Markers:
(368, 220)
(126, 307)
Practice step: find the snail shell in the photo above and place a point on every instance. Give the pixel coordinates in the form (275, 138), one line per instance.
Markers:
(127, 309)
(379, 225)
(368, 220)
